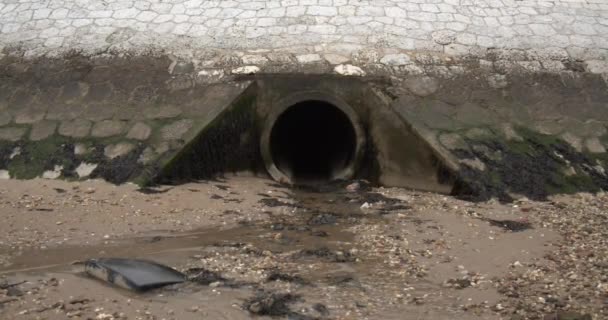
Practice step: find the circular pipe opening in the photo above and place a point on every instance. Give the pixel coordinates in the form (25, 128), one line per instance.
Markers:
(312, 141)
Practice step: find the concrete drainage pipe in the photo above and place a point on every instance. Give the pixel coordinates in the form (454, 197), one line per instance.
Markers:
(312, 138)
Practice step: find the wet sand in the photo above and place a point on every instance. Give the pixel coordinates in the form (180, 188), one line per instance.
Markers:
(369, 254)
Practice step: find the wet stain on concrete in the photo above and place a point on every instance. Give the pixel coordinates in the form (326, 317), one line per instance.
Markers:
(228, 144)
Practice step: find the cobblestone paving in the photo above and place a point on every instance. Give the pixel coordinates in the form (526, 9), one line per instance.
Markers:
(336, 28)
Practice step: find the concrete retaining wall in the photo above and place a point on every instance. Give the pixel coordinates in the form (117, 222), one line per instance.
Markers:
(530, 134)
(495, 124)
(78, 118)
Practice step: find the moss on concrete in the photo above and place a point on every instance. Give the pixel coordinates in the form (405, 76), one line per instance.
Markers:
(36, 157)
(534, 167)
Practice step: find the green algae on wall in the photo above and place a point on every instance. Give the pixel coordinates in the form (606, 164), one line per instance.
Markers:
(536, 166)
(31, 159)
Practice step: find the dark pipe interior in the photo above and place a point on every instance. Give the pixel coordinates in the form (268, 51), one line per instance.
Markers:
(312, 141)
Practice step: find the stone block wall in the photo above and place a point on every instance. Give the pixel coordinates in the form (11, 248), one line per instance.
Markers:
(500, 124)
(516, 134)
(80, 118)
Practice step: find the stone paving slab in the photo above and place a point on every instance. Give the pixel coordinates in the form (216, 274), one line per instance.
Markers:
(314, 30)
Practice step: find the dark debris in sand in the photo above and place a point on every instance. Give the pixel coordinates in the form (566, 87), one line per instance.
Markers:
(270, 304)
(273, 202)
(276, 275)
(203, 276)
(322, 219)
(325, 254)
(510, 225)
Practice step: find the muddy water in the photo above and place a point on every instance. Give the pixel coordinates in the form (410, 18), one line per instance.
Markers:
(328, 253)
(316, 225)
(159, 243)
